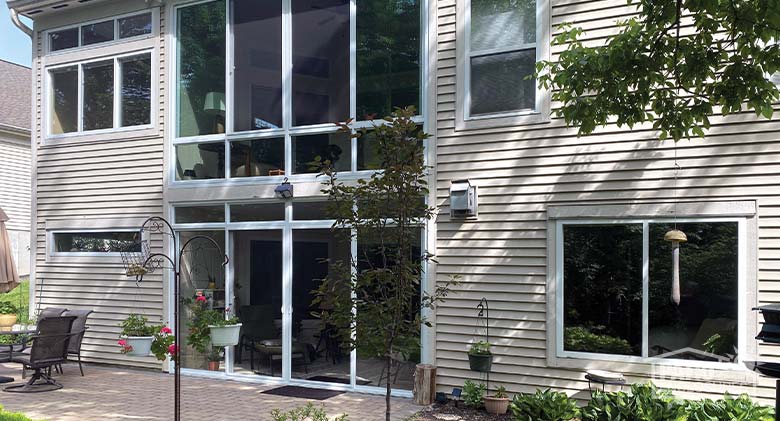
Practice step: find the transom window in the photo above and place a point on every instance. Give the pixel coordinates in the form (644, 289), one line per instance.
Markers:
(615, 285)
(94, 242)
(238, 116)
(101, 32)
(100, 94)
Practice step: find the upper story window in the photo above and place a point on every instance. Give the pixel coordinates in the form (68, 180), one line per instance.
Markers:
(101, 32)
(237, 115)
(498, 46)
(105, 87)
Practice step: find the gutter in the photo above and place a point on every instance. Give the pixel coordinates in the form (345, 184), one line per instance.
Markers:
(19, 24)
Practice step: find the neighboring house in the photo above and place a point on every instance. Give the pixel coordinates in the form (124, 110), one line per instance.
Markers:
(15, 158)
(196, 111)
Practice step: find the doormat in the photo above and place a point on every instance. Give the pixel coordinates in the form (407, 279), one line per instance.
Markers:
(340, 380)
(303, 392)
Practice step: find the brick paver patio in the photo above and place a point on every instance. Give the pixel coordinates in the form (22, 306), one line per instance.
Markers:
(110, 393)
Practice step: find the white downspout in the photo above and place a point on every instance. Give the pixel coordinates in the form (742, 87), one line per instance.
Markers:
(18, 23)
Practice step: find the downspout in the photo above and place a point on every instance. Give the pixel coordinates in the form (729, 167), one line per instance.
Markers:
(18, 23)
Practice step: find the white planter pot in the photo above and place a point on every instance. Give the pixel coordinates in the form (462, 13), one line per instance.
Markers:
(225, 335)
(142, 345)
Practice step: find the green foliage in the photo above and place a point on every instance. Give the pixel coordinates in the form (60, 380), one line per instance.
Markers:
(474, 394)
(501, 392)
(13, 416)
(202, 317)
(161, 345)
(544, 405)
(649, 72)
(20, 297)
(580, 338)
(728, 408)
(138, 325)
(8, 308)
(644, 403)
(377, 293)
(305, 413)
(480, 348)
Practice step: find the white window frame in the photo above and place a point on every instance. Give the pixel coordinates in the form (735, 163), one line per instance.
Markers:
(287, 131)
(116, 60)
(51, 244)
(155, 16)
(743, 213)
(463, 119)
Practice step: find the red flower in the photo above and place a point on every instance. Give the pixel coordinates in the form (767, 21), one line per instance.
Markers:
(200, 299)
(122, 342)
(166, 330)
(173, 349)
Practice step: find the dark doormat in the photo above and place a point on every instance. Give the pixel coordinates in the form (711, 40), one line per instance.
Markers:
(335, 379)
(303, 392)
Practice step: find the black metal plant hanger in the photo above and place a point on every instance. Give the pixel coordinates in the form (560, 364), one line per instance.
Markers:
(140, 263)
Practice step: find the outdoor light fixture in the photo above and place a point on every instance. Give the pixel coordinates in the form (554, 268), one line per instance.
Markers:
(284, 190)
(463, 199)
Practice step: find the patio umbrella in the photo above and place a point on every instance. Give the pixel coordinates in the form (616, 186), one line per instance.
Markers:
(9, 279)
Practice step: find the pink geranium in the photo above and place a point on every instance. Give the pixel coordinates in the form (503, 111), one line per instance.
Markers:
(200, 299)
(173, 349)
(122, 342)
(166, 330)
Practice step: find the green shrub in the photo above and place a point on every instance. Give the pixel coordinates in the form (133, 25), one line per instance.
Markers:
(305, 413)
(7, 308)
(13, 416)
(473, 394)
(581, 338)
(543, 406)
(742, 408)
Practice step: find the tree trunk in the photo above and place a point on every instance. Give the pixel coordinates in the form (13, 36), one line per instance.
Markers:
(387, 391)
(424, 384)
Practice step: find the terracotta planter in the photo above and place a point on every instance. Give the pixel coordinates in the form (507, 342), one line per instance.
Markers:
(224, 335)
(7, 321)
(142, 345)
(213, 366)
(481, 362)
(495, 405)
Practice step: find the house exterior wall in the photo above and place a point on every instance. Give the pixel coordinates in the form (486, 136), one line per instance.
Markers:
(506, 254)
(15, 163)
(109, 181)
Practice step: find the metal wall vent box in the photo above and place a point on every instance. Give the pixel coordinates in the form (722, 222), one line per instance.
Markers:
(770, 331)
(463, 199)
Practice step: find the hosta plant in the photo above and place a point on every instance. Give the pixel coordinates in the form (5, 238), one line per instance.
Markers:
(544, 405)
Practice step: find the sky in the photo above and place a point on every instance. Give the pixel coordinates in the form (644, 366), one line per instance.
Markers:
(15, 45)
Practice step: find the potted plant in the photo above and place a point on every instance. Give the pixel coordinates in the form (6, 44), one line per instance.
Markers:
(139, 338)
(214, 358)
(480, 357)
(221, 331)
(7, 315)
(498, 403)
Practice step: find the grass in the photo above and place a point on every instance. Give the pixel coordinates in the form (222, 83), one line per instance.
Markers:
(20, 297)
(13, 416)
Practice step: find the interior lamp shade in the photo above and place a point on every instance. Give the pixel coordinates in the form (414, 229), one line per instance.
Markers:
(214, 103)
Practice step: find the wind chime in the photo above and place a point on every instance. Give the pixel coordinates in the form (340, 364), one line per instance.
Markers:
(675, 236)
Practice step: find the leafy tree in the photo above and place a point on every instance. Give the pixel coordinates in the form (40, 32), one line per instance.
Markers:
(374, 300)
(673, 64)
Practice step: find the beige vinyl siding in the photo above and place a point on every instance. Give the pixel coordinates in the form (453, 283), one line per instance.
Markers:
(114, 182)
(503, 254)
(15, 162)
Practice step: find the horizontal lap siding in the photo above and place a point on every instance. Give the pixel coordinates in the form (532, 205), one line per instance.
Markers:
(118, 179)
(520, 171)
(15, 158)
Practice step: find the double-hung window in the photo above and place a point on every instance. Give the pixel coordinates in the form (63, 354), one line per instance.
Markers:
(614, 283)
(100, 76)
(260, 84)
(499, 43)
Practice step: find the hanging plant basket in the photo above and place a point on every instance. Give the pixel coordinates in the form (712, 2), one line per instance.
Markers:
(142, 345)
(225, 335)
(480, 362)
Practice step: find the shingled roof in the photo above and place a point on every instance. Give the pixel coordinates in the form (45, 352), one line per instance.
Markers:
(16, 100)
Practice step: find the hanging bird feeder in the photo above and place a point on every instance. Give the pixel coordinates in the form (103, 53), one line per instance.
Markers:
(676, 237)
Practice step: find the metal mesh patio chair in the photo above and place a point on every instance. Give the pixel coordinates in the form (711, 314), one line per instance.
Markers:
(49, 348)
(51, 312)
(78, 330)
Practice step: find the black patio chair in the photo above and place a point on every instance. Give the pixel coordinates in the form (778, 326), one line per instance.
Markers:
(49, 347)
(51, 312)
(78, 330)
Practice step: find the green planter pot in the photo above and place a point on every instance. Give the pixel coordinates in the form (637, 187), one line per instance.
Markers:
(481, 362)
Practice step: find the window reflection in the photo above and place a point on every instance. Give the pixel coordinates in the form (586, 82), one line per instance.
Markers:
(97, 32)
(132, 26)
(136, 90)
(67, 38)
(320, 34)
(99, 96)
(259, 157)
(258, 65)
(334, 147)
(64, 100)
(200, 161)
